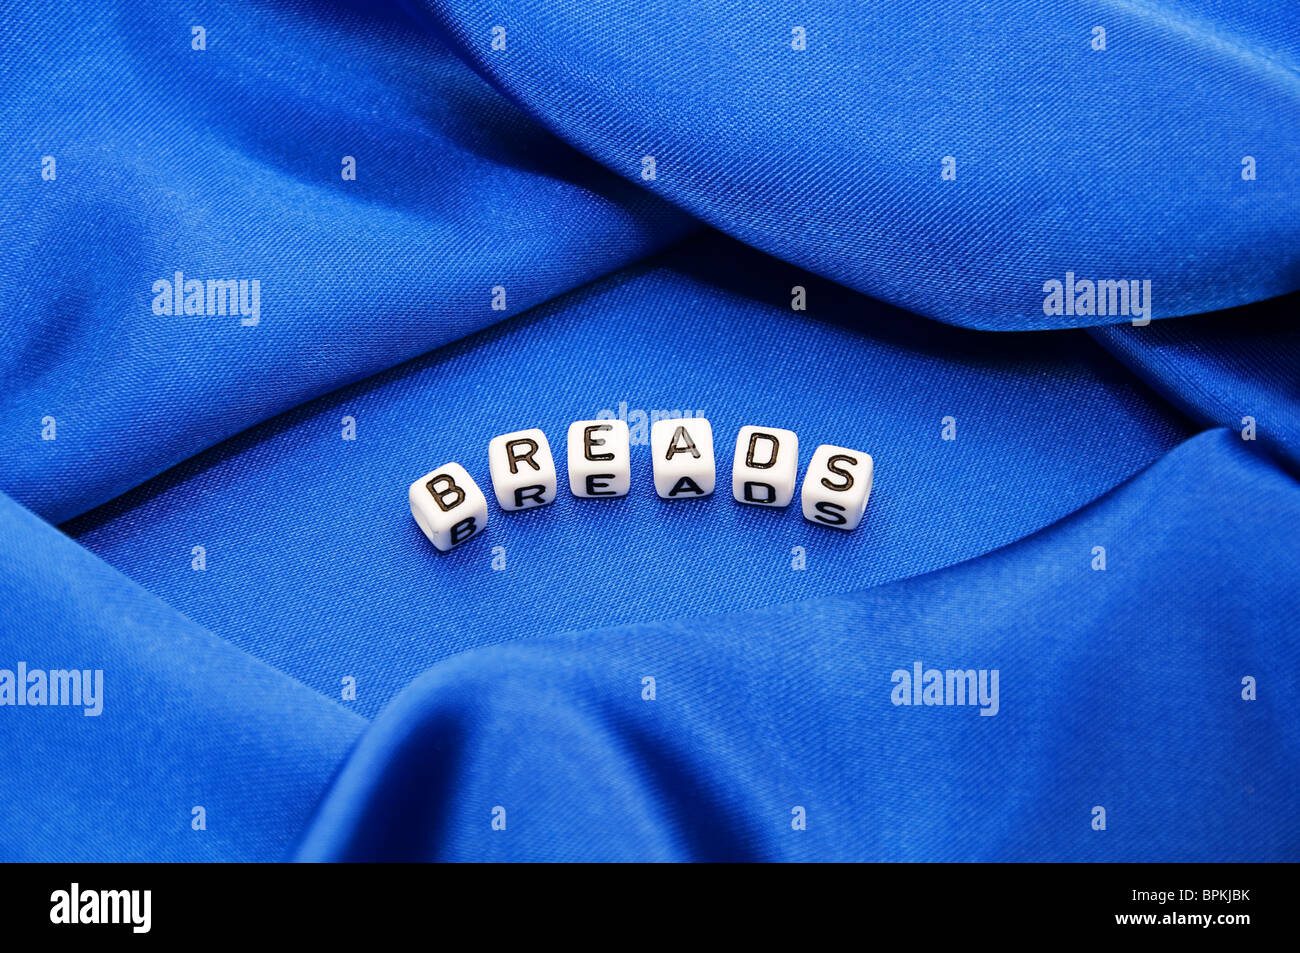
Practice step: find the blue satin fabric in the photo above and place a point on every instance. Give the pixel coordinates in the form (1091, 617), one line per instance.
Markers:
(505, 682)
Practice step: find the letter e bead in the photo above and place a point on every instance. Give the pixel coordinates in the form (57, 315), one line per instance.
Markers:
(836, 487)
(764, 470)
(448, 506)
(600, 458)
(523, 470)
(682, 448)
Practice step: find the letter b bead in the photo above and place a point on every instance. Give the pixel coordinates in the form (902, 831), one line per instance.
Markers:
(600, 458)
(766, 464)
(448, 506)
(523, 470)
(836, 487)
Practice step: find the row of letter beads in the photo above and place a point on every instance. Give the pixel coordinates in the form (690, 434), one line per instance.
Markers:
(450, 508)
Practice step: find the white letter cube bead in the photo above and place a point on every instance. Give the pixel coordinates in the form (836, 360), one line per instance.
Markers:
(449, 506)
(523, 470)
(600, 458)
(836, 487)
(682, 448)
(765, 467)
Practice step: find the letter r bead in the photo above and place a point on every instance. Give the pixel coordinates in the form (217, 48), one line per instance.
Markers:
(448, 506)
(523, 471)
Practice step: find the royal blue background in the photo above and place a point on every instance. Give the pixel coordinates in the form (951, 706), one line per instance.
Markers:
(521, 688)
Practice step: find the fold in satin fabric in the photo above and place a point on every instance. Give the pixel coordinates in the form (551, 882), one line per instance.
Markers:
(1239, 369)
(307, 523)
(1122, 163)
(1105, 514)
(1118, 690)
(227, 164)
(198, 751)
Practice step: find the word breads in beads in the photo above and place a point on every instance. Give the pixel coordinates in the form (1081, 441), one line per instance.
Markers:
(451, 509)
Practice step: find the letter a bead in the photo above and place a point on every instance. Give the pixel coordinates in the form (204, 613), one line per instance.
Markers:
(683, 457)
(836, 487)
(448, 506)
(523, 470)
(764, 470)
(600, 458)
